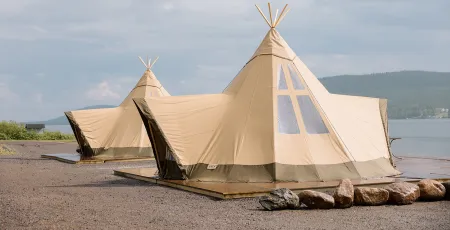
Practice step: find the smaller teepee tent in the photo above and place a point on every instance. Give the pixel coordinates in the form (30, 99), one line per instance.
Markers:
(274, 122)
(116, 133)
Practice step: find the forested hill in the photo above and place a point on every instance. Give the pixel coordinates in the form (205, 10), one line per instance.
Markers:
(62, 120)
(409, 93)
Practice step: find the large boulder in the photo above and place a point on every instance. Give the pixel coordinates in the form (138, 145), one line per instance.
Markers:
(447, 190)
(402, 193)
(316, 200)
(431, 190)
(281, 198)
(344, 194)
(371, 196)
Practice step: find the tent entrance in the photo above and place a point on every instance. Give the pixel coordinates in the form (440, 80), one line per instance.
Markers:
(167, 165)
(85, 150)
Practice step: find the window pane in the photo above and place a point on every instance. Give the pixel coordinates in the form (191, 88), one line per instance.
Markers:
(287, 123)
(295, 78)
(281, 78)
(311, 117)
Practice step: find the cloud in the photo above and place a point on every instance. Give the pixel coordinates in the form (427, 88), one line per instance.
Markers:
(202, 44)
(213, 71)
(103, 91)
(11, 8)
(39, 29)
(168, 5)
(40, 75)
(6, 94)
(38, 98)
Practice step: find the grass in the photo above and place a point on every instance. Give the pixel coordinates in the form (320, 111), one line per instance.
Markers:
(10, 130)
(5, 150)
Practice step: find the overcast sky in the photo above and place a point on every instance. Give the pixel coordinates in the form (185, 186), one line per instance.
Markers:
(61, 55)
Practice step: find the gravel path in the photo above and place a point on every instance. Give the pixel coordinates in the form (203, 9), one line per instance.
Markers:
(38, 193)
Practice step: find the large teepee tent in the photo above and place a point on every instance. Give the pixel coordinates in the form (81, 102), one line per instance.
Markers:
(274, 122)
(116, 133)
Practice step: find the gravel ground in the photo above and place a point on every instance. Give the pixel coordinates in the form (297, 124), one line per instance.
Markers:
(38, 193)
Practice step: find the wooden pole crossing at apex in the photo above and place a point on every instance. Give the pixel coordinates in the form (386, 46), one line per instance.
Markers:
(148, 65)
(274, 21)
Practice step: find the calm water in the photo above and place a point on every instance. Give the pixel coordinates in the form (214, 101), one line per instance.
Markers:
(61, 128)
(419, 137)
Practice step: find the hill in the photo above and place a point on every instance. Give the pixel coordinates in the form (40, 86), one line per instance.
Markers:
(62, 120)
(410, 94)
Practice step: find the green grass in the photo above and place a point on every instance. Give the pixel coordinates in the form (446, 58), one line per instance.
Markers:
(5, 150)
(10, 130)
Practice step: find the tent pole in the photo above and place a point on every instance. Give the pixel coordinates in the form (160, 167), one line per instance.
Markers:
(154, 62)
(276, 15)
(281, 15)
(262, 14)
(143, 62)
(270, 12)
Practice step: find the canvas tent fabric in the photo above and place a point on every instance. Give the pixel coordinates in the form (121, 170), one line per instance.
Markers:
(274, 122)
(116, 133)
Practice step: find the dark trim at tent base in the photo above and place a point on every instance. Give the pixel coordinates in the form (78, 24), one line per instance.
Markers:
(380, 167)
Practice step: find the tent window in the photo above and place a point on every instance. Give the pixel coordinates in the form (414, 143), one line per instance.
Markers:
(281, 79)
(295, 78)
(287, 122)
(311, 117)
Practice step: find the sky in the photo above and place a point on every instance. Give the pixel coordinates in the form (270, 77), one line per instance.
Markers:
(58, 55)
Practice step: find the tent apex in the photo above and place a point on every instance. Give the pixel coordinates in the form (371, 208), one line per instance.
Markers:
(274, 21)
(148, 64)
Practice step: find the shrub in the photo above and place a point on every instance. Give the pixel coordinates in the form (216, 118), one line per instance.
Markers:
(46, 135)
(11, 130)
(3, 136)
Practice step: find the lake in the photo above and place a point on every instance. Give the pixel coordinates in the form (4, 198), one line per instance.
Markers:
(421, 137)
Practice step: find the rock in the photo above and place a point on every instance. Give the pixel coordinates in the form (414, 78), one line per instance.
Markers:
(344, 194)
(431, 190)
(281, 198)
(371, 196)
(316, 200)
(447, 190)
(403, 193)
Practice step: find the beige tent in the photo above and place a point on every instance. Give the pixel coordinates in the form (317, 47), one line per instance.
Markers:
(116, 133)
(274, 122)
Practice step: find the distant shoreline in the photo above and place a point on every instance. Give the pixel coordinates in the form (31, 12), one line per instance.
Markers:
(412, 118)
